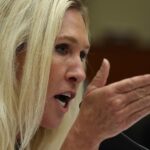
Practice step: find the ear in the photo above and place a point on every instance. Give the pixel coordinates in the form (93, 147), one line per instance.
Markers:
(101, 77)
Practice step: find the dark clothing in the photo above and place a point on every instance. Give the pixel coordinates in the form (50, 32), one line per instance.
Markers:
(119, 143)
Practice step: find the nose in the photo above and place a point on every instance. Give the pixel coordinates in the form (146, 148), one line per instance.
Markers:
(75, 72)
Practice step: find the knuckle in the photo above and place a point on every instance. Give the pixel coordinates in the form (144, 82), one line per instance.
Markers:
(117, 104)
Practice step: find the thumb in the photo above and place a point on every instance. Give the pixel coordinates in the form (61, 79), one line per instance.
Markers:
(101, 76)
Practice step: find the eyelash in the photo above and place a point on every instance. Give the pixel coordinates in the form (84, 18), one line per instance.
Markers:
(64, 48)
(83, 55)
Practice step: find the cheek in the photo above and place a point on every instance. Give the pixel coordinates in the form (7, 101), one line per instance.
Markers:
(57, 70)
(51, 117)
(48, 116)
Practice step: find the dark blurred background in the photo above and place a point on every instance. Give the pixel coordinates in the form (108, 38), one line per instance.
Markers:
(120, 32)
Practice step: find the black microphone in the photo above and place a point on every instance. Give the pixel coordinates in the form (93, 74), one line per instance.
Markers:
(141, 147)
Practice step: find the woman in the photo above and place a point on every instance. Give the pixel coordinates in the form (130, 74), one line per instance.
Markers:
(43, 47)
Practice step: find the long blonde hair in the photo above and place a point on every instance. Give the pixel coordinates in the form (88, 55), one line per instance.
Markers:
(34, 23)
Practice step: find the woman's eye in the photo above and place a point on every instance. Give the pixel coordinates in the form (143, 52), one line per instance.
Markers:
(83, 55)
(62, 48)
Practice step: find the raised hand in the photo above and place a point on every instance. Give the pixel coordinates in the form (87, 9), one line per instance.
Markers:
(108, 110)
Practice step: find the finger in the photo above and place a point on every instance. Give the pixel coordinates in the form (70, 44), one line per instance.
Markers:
(130, 84)
(100, 78)
(135, 95)
(138, 116)
(136, 106)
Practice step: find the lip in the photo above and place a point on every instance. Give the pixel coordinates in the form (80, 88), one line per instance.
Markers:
(73, 94)
(64, 109)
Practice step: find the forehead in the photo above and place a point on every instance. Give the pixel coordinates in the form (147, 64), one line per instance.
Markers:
(73, 26)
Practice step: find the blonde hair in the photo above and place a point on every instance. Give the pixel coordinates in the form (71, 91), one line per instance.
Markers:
(34, 23)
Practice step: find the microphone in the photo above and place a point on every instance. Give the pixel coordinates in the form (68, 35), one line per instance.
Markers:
(141, 147)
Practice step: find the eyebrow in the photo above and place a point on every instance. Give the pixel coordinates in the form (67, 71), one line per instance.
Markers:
(73, 40)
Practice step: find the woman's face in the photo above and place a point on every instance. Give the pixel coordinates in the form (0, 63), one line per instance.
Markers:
(67, 70)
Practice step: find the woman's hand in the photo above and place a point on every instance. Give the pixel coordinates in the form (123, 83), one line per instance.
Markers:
(108, 110)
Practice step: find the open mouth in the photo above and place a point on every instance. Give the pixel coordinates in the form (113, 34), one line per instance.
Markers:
(64, 98)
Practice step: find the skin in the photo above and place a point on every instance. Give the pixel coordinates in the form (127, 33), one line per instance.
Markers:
(67, 69)
(106, 110)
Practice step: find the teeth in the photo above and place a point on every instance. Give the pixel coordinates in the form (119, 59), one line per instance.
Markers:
(67, 94)
(61, 103)
(63, 98)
